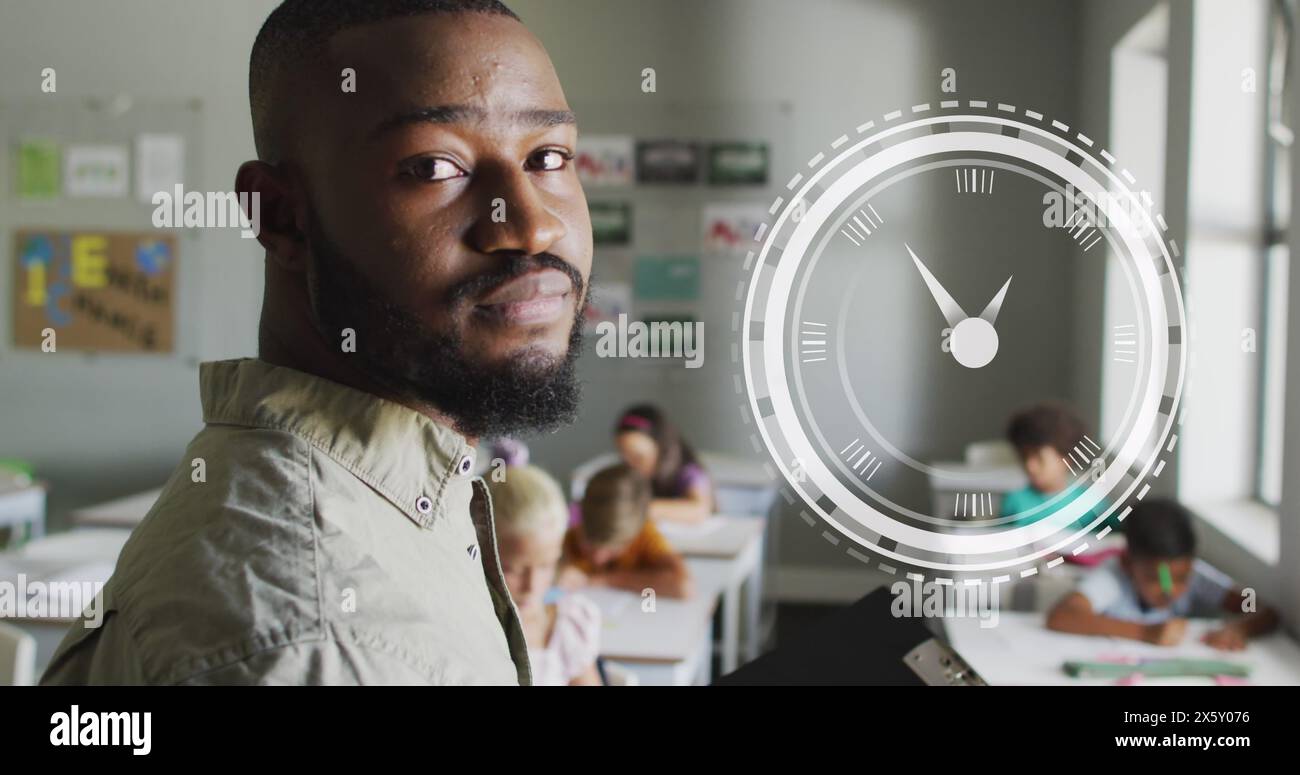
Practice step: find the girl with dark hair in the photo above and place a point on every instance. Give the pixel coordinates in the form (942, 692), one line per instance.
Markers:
(650, 444)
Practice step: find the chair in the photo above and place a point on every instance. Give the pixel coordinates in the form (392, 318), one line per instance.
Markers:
(17, 656)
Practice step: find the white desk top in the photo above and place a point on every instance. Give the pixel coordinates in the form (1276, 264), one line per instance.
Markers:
(1020, 650)
(82, 556)
(726, 469)
(672, 632)
(123, 512)
(718, 536)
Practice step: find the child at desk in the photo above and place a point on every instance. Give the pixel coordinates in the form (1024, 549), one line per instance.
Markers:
(1147, 592)
(616, 544)
(563, 638)
(649, 442)
(1044, 436)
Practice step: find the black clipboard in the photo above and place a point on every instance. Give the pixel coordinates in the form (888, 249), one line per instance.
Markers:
(863, 645)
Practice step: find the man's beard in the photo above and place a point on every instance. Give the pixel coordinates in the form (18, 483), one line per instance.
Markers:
(532, 391)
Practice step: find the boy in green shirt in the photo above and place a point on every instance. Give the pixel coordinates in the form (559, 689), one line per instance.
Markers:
(1043, 435)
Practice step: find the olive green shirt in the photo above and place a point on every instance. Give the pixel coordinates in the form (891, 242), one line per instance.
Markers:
(312, 534)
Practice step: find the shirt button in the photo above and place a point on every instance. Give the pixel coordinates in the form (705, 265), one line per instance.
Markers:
(423, 505)
(466, 464)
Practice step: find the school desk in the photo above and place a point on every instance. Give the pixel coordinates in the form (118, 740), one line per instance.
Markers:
(738, 542)
(1021, 650)
(86, 555)
(122, 512)
(670, 645)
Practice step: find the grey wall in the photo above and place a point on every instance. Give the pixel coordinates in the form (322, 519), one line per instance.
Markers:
(101, 427)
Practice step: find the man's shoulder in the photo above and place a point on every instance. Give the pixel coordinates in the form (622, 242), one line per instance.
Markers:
(235, 490)
(224, 563)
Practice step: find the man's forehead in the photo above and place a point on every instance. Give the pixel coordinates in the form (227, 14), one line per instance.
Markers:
(524, 118)
(490, 64)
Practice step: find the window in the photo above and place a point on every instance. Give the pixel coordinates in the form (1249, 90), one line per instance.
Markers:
(1227, 439)
(1277, 210)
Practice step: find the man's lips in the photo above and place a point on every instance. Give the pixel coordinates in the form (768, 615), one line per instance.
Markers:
(531, 299)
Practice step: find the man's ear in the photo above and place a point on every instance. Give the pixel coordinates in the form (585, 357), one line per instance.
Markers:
(277, 198)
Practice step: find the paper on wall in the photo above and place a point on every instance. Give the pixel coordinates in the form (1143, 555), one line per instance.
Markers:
(159, 164)
(95, 170)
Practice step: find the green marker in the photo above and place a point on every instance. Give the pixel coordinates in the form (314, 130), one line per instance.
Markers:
(1166, 580)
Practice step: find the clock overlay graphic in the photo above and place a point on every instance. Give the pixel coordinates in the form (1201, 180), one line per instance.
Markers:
(895, 239)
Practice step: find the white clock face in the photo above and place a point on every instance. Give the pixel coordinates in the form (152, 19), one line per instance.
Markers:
(860, 262)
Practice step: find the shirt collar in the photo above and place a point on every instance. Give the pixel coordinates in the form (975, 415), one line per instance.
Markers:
(405, 456)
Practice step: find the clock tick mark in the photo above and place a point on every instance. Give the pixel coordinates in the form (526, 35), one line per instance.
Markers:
(974, 180)
(862, 226)
(812, 341)
(973, 504)
(1125, 343)
(860, 459)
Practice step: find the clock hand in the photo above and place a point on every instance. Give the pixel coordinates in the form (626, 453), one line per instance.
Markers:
(952, 312)
(990, 312)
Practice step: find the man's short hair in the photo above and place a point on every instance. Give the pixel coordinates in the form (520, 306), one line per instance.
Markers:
(300, 29)
(1049, 424)
(1160, 529)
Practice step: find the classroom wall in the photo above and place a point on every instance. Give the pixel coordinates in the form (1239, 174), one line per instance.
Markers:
(101, 426)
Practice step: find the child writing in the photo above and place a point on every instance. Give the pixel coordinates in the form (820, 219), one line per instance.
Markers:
(616, 544)
(649, 443)
(1044, 436)
(563, 638)
(1148, 592)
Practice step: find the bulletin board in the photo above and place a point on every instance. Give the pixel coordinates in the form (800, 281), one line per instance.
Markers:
(94, 290)
(86, 260)
(671, 240)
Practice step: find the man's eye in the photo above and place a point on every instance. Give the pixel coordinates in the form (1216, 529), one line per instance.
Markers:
(433, 168)
(549, 159)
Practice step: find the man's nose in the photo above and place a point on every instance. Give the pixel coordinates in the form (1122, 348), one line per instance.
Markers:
(514, 217)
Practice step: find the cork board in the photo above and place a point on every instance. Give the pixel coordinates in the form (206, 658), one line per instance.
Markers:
(95, 290)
